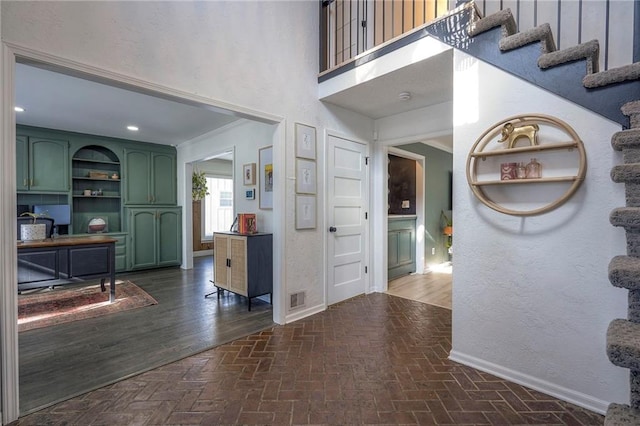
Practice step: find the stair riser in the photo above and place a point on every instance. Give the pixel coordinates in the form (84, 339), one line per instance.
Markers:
(633, 313)
(631, 156)
(634, 379)
(633, 243)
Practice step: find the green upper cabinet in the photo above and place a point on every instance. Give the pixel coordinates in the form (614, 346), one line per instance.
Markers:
(42, 164)
(150, 178)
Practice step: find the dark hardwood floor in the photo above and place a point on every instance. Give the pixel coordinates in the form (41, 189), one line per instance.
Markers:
(59, 362)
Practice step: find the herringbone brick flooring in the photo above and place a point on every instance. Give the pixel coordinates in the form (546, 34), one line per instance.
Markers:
(375, 359)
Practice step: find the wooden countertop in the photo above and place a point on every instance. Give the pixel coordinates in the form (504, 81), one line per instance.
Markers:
(67, 241)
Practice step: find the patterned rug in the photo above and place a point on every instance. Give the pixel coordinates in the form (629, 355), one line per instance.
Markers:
(45, 307)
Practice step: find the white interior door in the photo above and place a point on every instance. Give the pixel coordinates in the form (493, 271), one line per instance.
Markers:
(348, 207)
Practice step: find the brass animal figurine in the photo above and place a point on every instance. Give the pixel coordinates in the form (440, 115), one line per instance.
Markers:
(511, 134)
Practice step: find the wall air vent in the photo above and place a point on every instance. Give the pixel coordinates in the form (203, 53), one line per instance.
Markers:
(296, 300)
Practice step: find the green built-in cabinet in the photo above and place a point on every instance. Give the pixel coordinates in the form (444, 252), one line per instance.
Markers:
(123, 177)
(153, 233)
(43, 164)
(151, 177)
(401, 246)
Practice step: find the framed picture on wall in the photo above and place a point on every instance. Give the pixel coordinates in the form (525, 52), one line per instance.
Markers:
(265, 166)
(305, 176)
(305, 141)
(249, 174)
(305, 211)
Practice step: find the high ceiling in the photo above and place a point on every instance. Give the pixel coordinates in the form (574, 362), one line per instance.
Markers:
(60, 101)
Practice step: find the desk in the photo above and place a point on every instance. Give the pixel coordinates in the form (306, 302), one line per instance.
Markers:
(67, 260)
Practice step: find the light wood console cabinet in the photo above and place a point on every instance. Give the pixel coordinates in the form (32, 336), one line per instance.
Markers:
(243, 264)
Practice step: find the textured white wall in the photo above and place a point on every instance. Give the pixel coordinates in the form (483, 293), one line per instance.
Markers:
(531, 297)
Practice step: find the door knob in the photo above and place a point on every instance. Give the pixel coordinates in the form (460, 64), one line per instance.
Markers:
(332, 229)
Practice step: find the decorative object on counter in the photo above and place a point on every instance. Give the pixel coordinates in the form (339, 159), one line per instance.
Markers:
(33, 231)
(199, 188)
(247, 223)
(97, 225)
(511, 133)
(87, 193)
(115, 176)
(534, 128)
(534, 169)
(508, 171)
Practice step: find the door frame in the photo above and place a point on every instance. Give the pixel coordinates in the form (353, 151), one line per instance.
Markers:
(369, 277)
(10, 55)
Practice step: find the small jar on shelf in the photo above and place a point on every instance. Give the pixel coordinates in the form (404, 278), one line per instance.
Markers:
(534, 169)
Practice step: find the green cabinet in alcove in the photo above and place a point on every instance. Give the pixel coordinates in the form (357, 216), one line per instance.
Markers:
(401, 246)
(42, 164)
(150, 178)
(155, 237)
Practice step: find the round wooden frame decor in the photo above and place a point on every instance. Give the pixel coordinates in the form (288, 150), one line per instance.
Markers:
(519, 134)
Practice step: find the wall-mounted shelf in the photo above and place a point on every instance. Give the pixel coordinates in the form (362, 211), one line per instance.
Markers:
(485, 147)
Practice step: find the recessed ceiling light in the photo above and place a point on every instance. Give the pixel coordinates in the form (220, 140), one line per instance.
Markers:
(18, 109)
(133, 128)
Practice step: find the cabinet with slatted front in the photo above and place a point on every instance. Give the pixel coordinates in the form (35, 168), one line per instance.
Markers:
(243, 264)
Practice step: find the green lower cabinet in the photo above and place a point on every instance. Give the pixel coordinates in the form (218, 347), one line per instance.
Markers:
(401, 247)
(121, 251)
(155, 237)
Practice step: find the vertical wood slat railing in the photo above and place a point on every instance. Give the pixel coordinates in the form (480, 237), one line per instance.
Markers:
(352, 27)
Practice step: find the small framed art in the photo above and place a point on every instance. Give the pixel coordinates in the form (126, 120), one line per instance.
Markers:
(305, 211)
(249, 174)
(305, 141)
(305, 176)
(266, 178)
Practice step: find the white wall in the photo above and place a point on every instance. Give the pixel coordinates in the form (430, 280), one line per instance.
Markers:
(531, 297)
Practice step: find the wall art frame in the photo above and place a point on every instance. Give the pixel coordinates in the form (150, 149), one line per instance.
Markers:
(306, 211)
(249, 174)
(305, 176)
(265, 160)
(305, 141)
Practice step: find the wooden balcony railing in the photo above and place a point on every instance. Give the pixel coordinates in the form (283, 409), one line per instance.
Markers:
(350, 28)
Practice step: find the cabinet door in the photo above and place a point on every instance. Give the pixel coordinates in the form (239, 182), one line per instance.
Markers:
(169, 228)
(163, 178)
(48, 165)
(238, 247)
(220, 255)
(137, 177)
(22, 163)
(142, 231)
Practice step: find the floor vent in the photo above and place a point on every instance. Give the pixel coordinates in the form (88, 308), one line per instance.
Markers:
(296, 300)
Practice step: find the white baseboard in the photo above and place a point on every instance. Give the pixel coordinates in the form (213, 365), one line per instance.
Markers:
(568, 395)
(300, 314)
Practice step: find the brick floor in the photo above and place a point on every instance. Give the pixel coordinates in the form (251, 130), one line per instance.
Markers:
(375, 359)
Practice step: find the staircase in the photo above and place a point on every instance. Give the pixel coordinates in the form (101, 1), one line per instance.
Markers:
(573, 73)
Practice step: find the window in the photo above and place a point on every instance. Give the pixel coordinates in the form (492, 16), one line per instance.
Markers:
(217, 207)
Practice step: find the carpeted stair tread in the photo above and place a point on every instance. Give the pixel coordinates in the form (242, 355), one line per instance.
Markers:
(624, 272)
(502, 18)
(621, 415)
(612, 76)
(541, 33)
(623, 344)
(626, 173)
(589, 51)
(626, 139)
(632, 110)
(627, 217)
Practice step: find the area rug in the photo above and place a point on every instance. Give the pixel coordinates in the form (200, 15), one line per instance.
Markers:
(44, 308)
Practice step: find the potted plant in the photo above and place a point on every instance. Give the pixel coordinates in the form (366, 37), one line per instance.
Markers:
(33, 231)
(199, 186)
